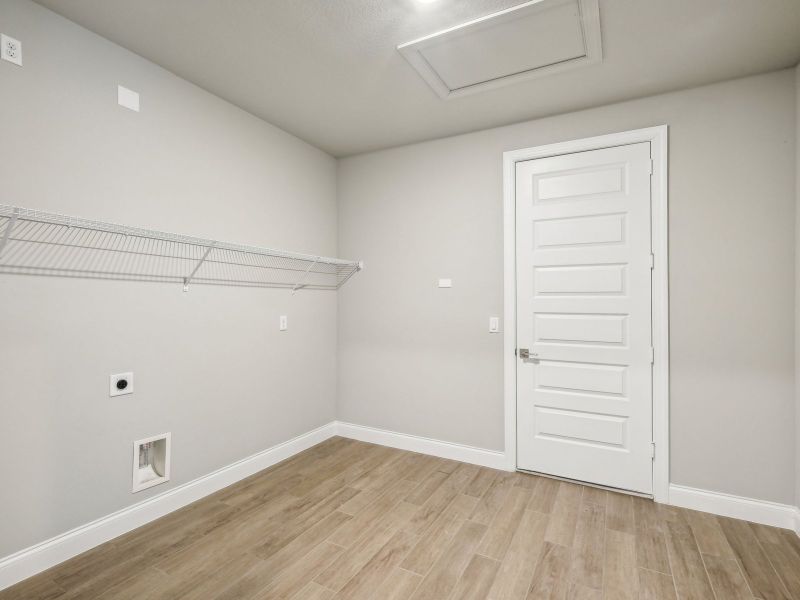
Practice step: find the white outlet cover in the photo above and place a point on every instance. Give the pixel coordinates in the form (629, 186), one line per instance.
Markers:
(128, 98)
(284, 323)
(114, 390)
(445, 283)
(11, 50)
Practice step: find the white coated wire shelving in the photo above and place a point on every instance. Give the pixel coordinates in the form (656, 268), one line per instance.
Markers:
(33, 242)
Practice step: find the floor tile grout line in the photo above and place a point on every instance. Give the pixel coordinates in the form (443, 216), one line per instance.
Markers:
(740, 566)
(669, 558)
(702, 560)
(416, 587)
(603, 546)
(345, 548)
(769, 561)
(466, 565)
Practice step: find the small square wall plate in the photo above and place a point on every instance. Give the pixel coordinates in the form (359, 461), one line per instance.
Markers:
(120, 384)
(534, 39)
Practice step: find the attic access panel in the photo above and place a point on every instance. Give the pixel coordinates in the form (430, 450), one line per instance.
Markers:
(534, 39)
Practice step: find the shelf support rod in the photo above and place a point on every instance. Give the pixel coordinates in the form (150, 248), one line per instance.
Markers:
(9, 228)
(299, 284)
(186, 280)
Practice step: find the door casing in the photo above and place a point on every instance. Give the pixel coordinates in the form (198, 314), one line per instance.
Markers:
(658, 138)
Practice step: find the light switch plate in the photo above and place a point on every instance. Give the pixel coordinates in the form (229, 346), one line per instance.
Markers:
(494, 324)
(445, 283)
(128, 98)
(10, 50)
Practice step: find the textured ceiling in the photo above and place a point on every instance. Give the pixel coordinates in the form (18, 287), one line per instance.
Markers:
(328, 70)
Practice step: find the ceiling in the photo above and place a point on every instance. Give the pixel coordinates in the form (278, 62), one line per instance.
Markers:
(329, 72)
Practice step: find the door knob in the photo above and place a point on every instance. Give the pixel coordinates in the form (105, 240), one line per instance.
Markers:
(526, 354)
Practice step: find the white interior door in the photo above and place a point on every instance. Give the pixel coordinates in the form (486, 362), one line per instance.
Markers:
(584, 397)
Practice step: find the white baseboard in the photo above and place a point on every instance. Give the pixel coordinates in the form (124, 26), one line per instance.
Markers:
(35, 559)
(797, 520)
(404, 441)
(737, 507)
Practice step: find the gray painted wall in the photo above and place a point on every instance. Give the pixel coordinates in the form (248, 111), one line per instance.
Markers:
(210, 366)
(420, 360)
(797, 286)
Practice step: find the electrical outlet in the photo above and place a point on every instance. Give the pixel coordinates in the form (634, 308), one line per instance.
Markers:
(120, 384)
(11, 49)
(284, 323)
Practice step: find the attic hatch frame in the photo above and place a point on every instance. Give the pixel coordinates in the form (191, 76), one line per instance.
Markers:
(34, 242)
(588, 19)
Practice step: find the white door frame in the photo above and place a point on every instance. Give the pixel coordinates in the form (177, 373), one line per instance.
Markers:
(657, 136)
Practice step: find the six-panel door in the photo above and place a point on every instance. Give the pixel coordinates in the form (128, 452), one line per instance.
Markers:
(584, 398)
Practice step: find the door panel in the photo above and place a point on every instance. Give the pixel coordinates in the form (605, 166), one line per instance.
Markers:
(579, 280)
(581, 377)
(579, 231)
(584, 399)
(589, 428)
(572, 185)
(553, 328)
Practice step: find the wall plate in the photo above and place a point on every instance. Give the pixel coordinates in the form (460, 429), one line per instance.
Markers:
(494, 324)
(120, 384)
(128, 98)
(11, 50)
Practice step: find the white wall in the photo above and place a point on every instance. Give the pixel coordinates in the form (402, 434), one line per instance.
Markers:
(210, 366)
(420, 360)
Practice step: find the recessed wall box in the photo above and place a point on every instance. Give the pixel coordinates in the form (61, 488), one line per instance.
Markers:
(151, 457)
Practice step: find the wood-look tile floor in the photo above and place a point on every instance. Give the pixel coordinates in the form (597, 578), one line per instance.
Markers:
(352, 520)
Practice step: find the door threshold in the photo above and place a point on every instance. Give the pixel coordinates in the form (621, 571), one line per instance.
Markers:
(588, 484)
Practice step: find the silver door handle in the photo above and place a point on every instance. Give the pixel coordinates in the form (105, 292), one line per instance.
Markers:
(526, 354)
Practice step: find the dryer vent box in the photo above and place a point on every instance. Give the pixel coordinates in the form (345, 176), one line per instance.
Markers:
(151, 458)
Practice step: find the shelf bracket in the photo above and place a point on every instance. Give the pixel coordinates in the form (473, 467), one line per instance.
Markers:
(359, 267)
(9, 228)
(300, 283)
(186, 280)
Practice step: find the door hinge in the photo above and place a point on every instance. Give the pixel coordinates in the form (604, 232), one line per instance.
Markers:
(652, 449)
(652, 261)
(652, 355)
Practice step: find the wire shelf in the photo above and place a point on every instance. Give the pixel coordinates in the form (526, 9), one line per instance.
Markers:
(33, 242)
